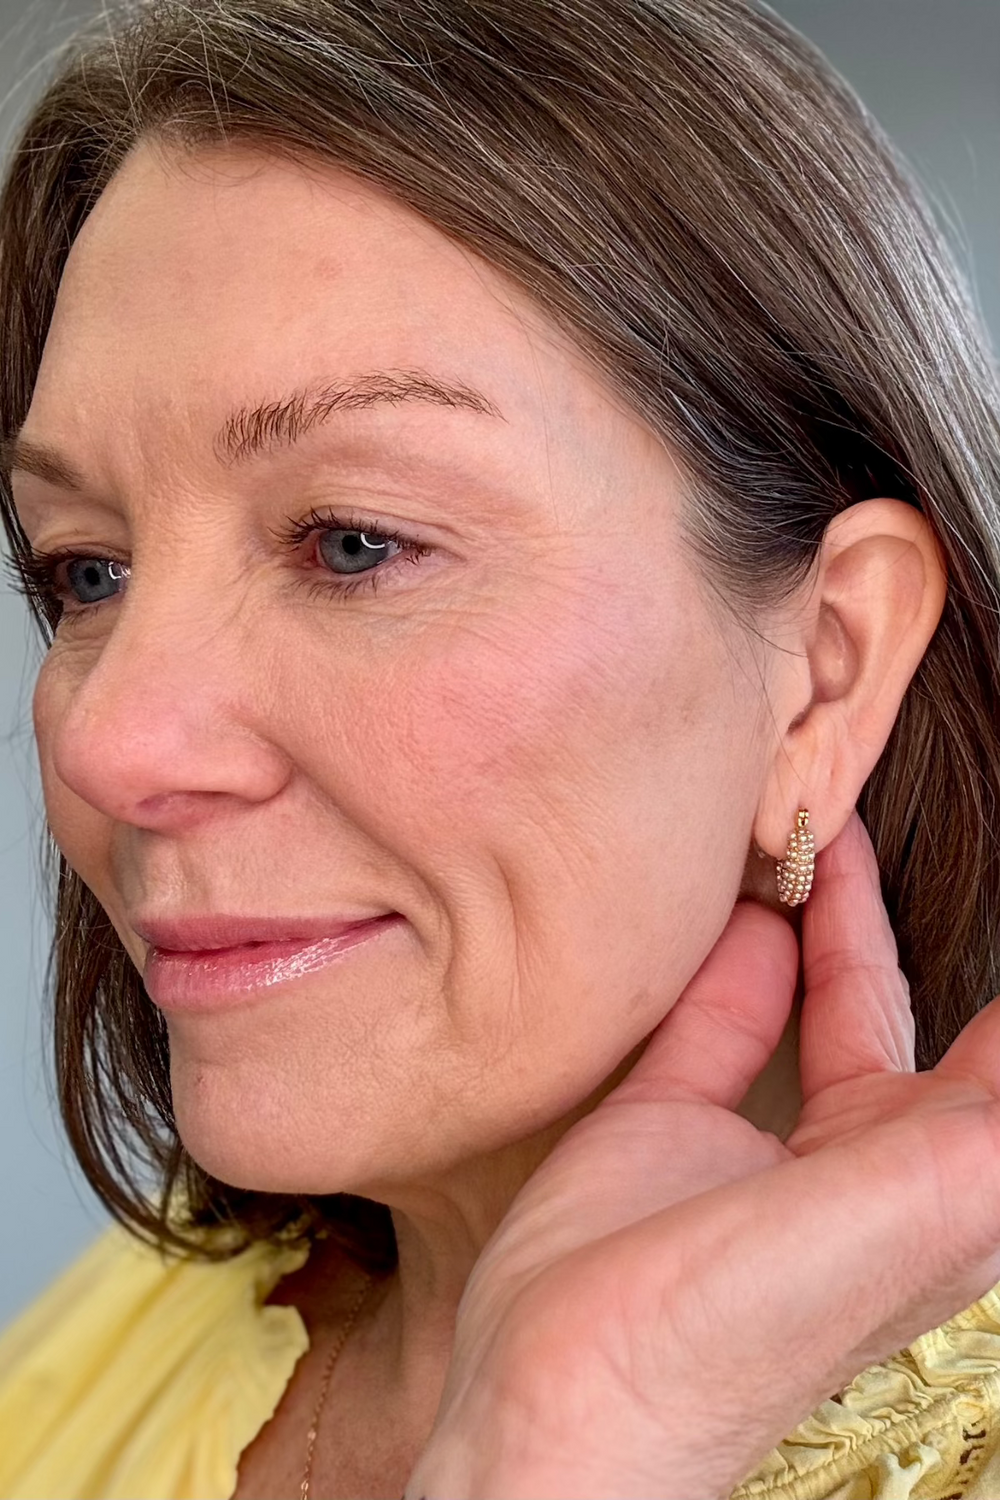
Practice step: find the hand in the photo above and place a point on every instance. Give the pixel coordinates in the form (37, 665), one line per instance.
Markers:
(674, 1290)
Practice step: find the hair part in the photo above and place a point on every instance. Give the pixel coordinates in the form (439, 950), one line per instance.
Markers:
(708, 210)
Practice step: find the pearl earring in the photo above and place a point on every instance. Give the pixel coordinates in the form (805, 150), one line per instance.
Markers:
(795, 871)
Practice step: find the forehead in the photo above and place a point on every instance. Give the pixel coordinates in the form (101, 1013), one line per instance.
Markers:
(204, 275)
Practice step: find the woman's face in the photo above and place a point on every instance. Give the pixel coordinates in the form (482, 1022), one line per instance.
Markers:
(538, 742)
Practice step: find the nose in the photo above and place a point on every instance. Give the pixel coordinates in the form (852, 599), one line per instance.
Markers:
(170, 714)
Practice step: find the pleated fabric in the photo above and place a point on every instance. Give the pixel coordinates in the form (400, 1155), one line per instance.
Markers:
(138, 1376)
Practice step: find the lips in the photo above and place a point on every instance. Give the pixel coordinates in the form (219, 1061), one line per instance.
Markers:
(211, 933)
(209, 978)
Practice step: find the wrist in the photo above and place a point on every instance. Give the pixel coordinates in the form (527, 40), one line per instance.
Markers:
(496, 1462)
(534, 1430)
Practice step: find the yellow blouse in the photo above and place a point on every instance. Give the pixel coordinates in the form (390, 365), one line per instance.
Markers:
(136, 1377)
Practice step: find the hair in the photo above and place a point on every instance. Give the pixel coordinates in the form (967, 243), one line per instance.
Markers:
(689, 191)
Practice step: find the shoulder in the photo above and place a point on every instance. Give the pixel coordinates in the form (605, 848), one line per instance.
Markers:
(141, 1374)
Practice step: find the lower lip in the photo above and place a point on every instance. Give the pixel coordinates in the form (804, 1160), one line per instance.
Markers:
(198, 981)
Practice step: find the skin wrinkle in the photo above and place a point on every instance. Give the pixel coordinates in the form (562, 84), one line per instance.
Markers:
(252, 430)
(544, 745)
(463, 638)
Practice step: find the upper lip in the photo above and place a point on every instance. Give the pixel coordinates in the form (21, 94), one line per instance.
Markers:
(202, 934)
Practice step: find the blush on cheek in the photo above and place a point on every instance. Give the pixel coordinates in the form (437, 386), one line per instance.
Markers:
(546, 690)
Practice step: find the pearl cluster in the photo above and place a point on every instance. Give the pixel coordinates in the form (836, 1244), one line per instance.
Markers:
(795, 871)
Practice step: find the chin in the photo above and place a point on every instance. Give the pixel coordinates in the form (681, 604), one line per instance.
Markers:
(250, 1139)
(257, 1163)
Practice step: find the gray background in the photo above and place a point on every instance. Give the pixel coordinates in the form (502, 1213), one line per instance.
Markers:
(929, 69)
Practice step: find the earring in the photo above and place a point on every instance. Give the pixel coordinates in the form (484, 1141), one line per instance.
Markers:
(795, 871)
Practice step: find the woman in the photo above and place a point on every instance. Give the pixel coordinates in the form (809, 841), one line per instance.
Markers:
(546, 470)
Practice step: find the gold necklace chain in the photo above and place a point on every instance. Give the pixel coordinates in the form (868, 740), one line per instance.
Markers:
(331, 1360)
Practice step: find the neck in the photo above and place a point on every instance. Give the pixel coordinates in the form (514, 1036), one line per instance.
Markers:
(442, 1226)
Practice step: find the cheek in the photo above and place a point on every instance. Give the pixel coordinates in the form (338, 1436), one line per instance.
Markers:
(594, 797)
(78, 829)
(84, 834)
(583, 720)
(46, 705)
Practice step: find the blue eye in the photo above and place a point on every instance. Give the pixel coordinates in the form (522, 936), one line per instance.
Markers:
(355, 548)
(348, 546)
(36, 575)
(84, 577)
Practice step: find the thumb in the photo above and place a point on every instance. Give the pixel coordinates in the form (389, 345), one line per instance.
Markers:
(856, 1016)
(728, 1021)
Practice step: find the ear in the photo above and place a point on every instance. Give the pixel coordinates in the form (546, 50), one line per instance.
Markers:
(848, 647)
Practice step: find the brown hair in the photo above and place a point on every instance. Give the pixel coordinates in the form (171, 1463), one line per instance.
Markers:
(709, 211)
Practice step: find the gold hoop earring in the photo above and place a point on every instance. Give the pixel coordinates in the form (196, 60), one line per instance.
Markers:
(795, 871)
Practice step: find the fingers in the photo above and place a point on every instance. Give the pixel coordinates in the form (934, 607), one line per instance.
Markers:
(856, 1016)
(834, 1261)
(729, 1019)
(974, 1055)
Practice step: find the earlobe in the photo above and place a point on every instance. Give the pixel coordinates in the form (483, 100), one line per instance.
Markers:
(862, 624)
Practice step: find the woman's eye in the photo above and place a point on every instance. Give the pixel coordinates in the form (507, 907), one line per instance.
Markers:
(67, 581)
(353, 554)
(353, 551)
(87, 576)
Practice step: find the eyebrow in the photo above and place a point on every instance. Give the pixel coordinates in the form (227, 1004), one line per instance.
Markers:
(41, 460)
(252, 430)
(275, 424)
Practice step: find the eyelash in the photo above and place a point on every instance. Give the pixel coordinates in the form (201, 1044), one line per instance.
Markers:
(34, 575)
